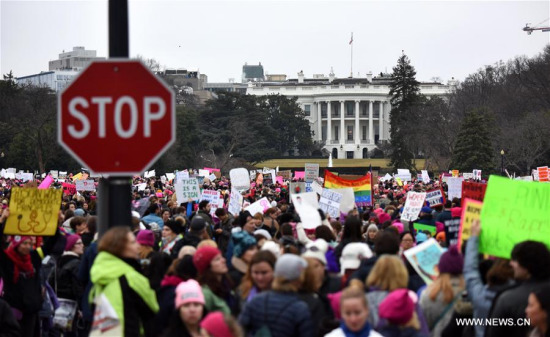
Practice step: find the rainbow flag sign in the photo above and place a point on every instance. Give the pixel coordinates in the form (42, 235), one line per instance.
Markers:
(361, 187)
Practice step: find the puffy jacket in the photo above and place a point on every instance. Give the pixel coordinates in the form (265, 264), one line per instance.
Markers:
(283, 313)
(8, 323)
(129, 293)
(68, 285)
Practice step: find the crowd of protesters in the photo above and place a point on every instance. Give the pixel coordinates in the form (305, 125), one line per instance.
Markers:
(181, 269)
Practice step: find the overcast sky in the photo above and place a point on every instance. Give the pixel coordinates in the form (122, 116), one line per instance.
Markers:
(442, 38)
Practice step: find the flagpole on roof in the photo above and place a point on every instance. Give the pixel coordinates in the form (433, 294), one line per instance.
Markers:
(351, 65)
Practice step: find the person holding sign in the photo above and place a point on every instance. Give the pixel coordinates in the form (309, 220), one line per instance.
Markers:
(20, 268)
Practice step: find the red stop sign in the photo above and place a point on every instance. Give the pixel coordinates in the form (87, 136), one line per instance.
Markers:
(116, 118)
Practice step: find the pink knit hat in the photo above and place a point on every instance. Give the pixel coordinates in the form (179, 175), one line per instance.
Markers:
(71, 241)
(456, 212)
(399, 226)
(397, 307)
(146, 238)
(16, 240)
(439, 227)
(214, 324)
(383, 217)
(378, 211)
(189, 292)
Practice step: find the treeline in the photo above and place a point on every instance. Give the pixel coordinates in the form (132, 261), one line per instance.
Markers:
(232, 130)
(501, 107)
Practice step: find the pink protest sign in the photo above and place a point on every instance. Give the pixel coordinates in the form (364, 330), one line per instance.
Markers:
(210, 170)
(279, 180)
(46, 182)
(299, 174)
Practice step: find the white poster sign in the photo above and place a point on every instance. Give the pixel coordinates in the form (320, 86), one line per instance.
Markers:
(330, 202)
(187, 189)
(413, 205)
(311, 172)
(85, 185)
(404, 174)
(309, 198)
(203, 173)
(27, 177)
(454, 187)
(235, 201)
(212, 196)
(425, 177)
(240, 179)
(466, 175)
(259, 206)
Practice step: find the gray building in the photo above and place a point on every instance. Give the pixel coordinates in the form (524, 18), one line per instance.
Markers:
(77, 59)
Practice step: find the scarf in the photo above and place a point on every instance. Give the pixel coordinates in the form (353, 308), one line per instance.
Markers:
(364, 332)
(21, 263)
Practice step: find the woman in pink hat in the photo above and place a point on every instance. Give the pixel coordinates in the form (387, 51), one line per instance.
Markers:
(189, 305)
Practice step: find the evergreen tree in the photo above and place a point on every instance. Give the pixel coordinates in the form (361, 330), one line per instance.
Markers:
(474, 149)
(405, 98)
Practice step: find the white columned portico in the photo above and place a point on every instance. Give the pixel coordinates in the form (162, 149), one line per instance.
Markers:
(329, 126)
(317, 106)
(357, 136)
(371, 127)
(343, 134)
(381, 121)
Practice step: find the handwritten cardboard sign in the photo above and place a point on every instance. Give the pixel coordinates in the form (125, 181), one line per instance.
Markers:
(471, 210)
(235, 201)
(471, 190)
(330, 202)
(311, 172)
(513, 211)
(33, 211)
(85, 185)
(187, 189)
(424, 258)
(435, 198)
(413, 205)
(455, 187)
(259, 206)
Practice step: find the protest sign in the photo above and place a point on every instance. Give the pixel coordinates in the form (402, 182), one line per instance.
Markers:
(235, 201)
(68, 189)
(203, 173)
(309, 198)
(513, 211)
(452, 231)
(54, 174)
(259, 206)
(212, 177)
(33, 211)
(182, 175)
(240, 179)
(46, 182)
(348, 199)
(543, 173)
(270, 177)
(252, 175)
(308, 187)
(163, 179)
(286, 174)
(399, 181)
(142, 186)
(425, 177)
(211, 170)
(311, 172)
(387, 177)
(471, 190)
(170, 176)
(150, 174)
(309, 216)
(471, 210)
(85, 185)
(435, 198)
(296, 188)
(422, 227)
(468, 175)
(535, 175)
(316, 187)
(299, 175)
(454, 187)
(477, 174)
(330, 202)
(404, 175)
(27, 177)
(211, 196)
(187, 189)
(424, 258)
(279, 180)
(413, 205)
(455, 173)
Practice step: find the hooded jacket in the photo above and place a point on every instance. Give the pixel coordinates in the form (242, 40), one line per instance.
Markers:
(128, 292)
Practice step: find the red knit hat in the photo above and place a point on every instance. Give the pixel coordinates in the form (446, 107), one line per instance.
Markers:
(397, 307)
(203, 257)
(214, 324)
(456, 212)
(16, 240)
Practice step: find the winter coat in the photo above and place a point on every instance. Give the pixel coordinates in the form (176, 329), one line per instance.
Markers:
(319, 309)
(166, 296)
(511, 304)
(214, 303)
(396, 331)
(189, 239)
(8, 323)
(26, 294)
(209, 222)
(480, 294)
(129, 293)
(444, 216)
(282, 312)
(68, 285)
(237, 270)
(433, 310)
(364, 269)
(222, 239)
(84, 278)
(154, 267)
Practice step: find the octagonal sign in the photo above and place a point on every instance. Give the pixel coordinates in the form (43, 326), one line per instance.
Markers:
(116, 118)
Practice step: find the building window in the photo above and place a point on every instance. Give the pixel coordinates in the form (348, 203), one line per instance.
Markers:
(349, 154)
(307, 110)
(364, 132)
(364, 111)
(334, 153)
(324, 132)
(350, 132)
(335, 112)
(349, 110)
(336, 132)
(365, 153)
(323, 111)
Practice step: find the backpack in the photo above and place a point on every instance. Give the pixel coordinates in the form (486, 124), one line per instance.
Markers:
(264, 330)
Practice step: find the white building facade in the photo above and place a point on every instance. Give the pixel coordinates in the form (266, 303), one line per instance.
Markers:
(56, 80)
(350, 116)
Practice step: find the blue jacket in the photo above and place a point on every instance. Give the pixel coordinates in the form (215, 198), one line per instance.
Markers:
(283, 313)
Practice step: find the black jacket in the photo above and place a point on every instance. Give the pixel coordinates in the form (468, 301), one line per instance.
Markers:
(8, 323)
(68, 285)
(189, 239)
